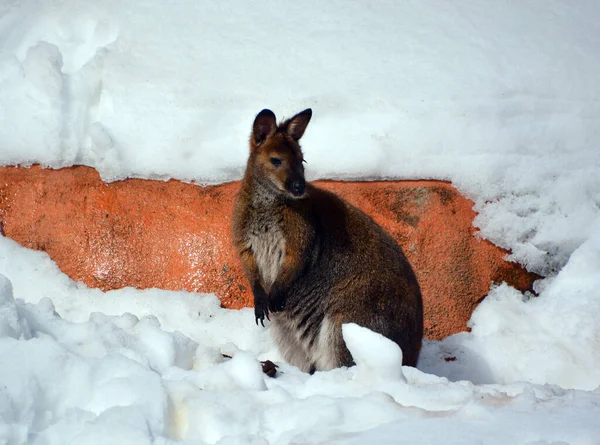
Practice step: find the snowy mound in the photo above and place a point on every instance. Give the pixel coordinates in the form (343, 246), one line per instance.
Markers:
(126, 379)
(501, 99)
(374, 355)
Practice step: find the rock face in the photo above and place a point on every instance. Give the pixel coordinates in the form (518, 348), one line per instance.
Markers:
(176, 236)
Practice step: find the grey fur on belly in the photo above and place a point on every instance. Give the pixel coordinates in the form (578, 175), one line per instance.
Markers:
(309, 348)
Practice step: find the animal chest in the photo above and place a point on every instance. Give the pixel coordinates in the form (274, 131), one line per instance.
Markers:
(267, 242)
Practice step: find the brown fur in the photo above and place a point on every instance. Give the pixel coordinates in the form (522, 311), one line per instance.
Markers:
(314, 261)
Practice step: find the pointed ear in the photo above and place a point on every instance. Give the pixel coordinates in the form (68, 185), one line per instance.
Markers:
(265, 125)
(296, 125)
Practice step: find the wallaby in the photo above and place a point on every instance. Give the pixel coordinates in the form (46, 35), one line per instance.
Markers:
(314, 261)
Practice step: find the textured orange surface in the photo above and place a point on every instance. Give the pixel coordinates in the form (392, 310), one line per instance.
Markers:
(176, 236)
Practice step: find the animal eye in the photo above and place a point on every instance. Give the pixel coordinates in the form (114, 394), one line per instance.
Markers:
(276, 162)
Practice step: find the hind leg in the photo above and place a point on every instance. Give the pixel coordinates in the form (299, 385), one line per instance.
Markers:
(289, 347)
(329, 349)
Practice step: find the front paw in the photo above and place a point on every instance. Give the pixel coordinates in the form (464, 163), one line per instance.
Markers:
(261, 311)
(276, 300)
(261, 307)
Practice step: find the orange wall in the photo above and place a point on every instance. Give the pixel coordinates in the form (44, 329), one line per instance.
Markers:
(176, 236)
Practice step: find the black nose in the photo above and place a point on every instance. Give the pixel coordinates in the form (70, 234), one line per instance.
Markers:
(298, 187)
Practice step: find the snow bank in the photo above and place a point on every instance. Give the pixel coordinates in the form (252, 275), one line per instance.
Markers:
(127, 379)
(501, 99)
(63, 382)
(552, 338)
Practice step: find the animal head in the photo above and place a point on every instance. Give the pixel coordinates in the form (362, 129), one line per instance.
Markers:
(275, 155)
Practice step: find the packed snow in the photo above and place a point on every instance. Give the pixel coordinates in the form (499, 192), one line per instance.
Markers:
(500, 98)
(153, 366)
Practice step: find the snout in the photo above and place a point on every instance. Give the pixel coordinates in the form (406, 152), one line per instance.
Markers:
(297, 187)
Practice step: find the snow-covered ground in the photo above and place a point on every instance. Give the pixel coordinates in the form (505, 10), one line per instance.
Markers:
(99, 374)
(501, 98)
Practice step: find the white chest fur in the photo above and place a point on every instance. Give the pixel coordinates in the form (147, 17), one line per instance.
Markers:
(268, 246)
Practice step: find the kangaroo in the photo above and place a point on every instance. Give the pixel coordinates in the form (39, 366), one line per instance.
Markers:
(314, 261)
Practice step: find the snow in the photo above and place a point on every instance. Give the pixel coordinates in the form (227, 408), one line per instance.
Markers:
(131, 379)
(376, 357)
(149, 367)
(552, 338)
(500, 98)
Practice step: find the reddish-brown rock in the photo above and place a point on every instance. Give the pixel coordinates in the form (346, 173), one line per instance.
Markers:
(176, 236)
